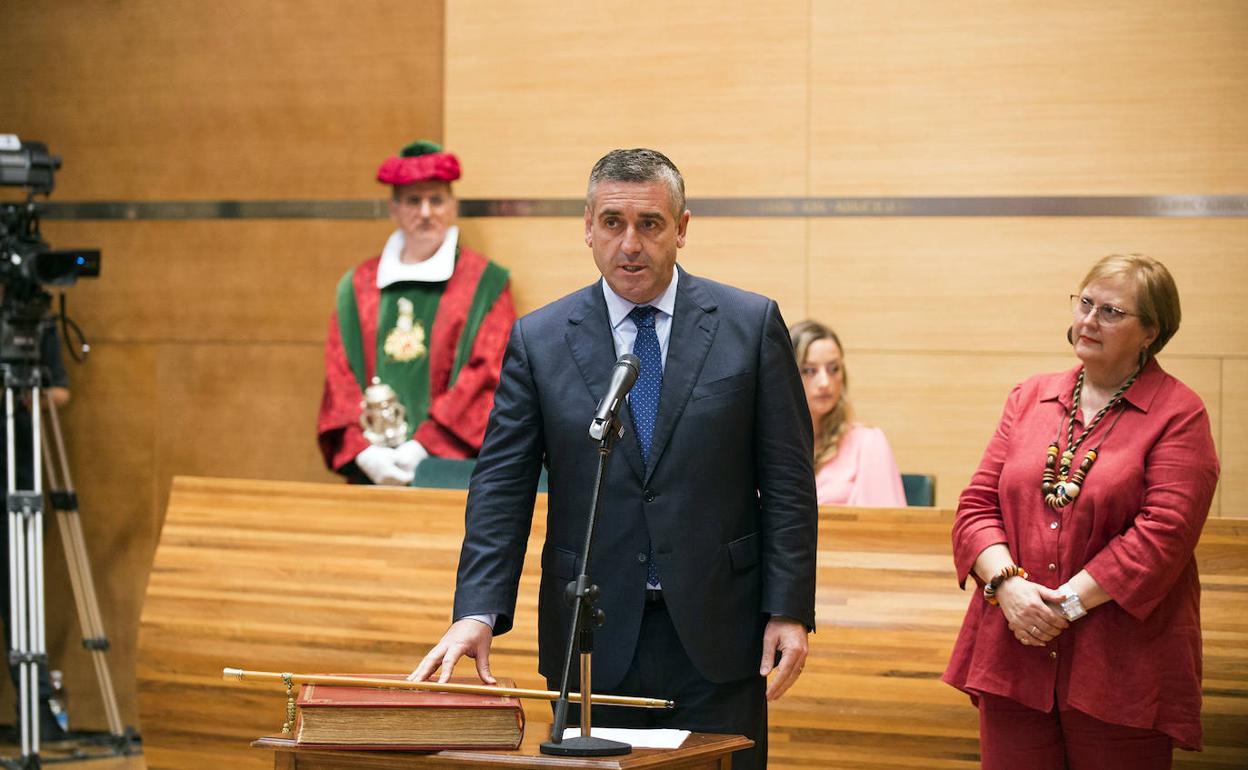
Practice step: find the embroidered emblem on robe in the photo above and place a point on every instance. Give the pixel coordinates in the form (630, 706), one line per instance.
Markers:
(406, 341)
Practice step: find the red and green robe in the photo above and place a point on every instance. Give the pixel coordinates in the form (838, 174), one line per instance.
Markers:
(448, 392)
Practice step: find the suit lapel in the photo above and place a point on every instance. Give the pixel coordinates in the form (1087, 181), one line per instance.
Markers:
(693, 329)
(593, 348)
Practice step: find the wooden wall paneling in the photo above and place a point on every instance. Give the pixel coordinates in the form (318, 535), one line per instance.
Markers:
(1234, 445)
(767, 256)
(215, 280)
(108, 429)
(177, 100)
(246, 411)
(1013, 99)
(938, 409)
(717, 86)
(1204, 375)
(1001, 284)
(548, 257)
(1209, 262)
(912, 290)
(942, 284)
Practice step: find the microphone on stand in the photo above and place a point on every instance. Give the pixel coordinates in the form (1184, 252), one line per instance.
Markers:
(623, 375)
(582, 594)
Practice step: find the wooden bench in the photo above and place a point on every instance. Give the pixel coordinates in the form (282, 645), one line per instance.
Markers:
(288, 576)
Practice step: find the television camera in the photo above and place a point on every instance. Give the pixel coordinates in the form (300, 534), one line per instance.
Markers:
(28, 268)
(27, 263)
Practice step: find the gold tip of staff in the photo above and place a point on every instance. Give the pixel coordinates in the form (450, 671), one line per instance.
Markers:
(242, 675)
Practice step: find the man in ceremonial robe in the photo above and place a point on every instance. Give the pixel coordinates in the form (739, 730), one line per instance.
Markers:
(705, 541)
(429, 317)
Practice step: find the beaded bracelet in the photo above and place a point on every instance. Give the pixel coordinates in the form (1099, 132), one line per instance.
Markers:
(990, 590)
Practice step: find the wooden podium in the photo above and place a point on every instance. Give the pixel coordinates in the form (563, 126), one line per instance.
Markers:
(701, 751)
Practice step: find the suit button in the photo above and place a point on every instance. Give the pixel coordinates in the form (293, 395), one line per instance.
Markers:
(1053, 655)
(1052, 567)
(641, 557)
(648, 496)
(1052, 525)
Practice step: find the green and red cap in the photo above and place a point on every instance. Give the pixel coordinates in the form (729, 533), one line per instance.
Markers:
(420, 161)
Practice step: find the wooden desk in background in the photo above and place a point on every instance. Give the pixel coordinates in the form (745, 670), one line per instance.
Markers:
(313, 578)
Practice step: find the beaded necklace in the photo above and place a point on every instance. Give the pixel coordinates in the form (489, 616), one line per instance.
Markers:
(1059, 487)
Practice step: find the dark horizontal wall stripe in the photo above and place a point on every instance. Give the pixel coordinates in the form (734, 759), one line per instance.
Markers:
(984, 206)
(136, 210)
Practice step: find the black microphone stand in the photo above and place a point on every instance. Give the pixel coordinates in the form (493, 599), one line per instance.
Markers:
(583, 596)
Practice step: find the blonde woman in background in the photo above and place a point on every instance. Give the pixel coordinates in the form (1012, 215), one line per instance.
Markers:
(854, 464)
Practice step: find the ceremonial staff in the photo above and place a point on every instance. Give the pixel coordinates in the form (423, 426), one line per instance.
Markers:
(290, 680)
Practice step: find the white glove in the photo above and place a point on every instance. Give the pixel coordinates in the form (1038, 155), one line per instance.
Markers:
(381, 465)
(409, 454)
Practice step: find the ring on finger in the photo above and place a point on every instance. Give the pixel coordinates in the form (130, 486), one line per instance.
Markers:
(1035, 630)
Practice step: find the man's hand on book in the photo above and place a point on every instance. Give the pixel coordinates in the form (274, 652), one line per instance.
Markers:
(464, 637)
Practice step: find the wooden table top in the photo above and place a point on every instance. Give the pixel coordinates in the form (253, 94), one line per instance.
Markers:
(697, 750)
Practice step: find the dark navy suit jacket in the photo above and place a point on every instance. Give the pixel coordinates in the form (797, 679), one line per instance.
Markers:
(728, 499)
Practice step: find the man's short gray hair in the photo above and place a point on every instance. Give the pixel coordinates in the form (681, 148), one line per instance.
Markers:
(639, 165)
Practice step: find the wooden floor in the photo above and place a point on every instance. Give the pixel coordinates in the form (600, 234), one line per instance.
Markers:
(314, 578)
(85, 758)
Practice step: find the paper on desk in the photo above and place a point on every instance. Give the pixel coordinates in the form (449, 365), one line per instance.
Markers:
(638, 739)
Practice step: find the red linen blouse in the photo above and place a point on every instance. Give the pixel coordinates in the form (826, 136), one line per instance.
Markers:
(1135, 660)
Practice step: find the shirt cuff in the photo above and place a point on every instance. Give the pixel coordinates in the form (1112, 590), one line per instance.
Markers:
(488, 619)
(971, 546)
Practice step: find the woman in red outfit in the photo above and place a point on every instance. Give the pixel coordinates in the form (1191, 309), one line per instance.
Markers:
(1082, 647)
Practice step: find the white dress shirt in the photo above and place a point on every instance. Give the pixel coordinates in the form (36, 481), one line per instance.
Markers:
(624, 331)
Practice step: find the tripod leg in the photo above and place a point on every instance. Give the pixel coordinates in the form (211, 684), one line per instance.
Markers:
(35, 608)
(65, 500)
(23, 508)
(34, 545)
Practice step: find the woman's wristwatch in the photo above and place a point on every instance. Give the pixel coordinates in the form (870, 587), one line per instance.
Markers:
(1071, 607)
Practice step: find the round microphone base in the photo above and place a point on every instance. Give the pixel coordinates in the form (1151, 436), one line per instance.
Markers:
(582, 746)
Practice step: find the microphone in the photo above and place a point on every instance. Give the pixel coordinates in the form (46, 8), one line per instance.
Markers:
(623, 375)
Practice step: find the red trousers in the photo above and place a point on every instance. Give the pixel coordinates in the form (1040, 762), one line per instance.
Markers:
(1014, 737)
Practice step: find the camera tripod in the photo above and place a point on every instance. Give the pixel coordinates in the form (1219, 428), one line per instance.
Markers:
(26, 580)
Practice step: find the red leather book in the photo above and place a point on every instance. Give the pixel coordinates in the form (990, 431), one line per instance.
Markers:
(332, 716)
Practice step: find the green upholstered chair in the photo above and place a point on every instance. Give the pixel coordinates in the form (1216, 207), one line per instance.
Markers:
(920, 488)
(441, 473)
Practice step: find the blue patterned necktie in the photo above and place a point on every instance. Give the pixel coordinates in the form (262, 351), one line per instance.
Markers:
(643, 400)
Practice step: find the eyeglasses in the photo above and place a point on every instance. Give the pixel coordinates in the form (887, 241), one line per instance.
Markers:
(1107, 315)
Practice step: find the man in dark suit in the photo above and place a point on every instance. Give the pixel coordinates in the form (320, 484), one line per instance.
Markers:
(705, 540)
